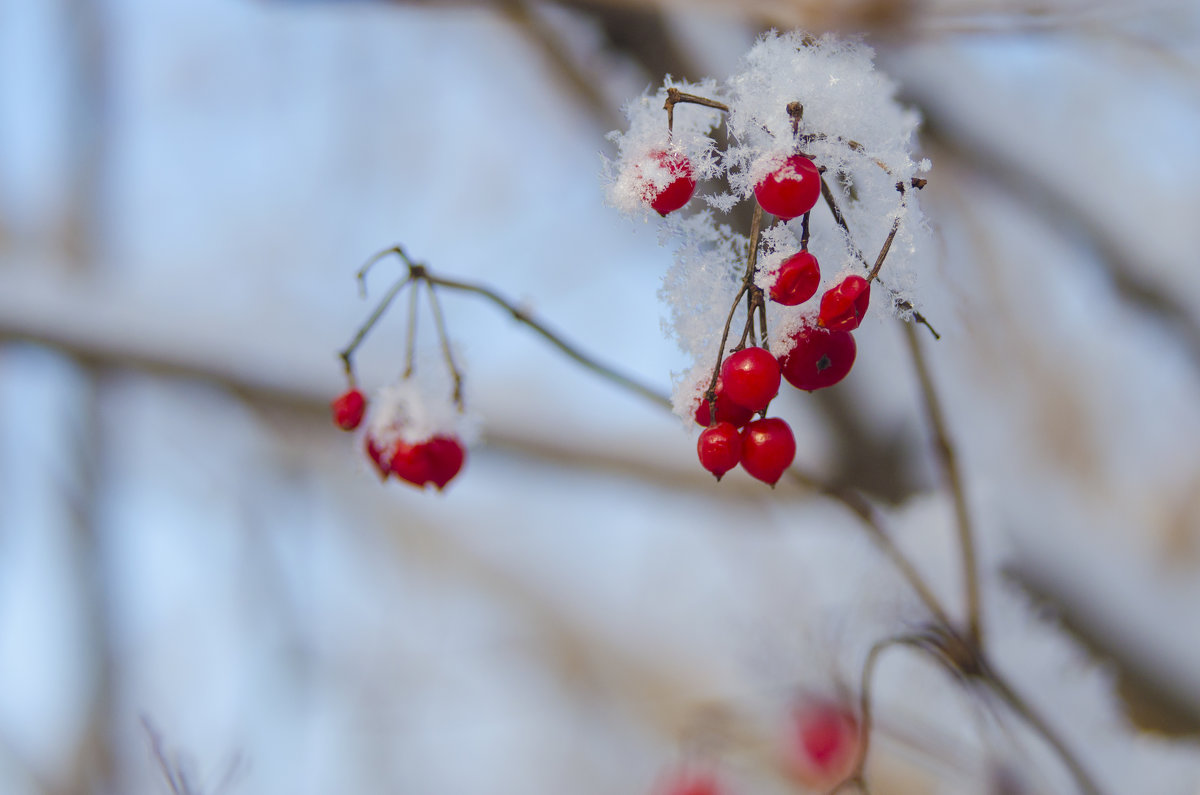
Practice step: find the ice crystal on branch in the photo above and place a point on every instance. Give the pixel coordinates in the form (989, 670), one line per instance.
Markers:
(795, 95)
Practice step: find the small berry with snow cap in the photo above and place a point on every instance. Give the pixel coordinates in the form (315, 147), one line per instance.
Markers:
(790, 190)
(668, 181)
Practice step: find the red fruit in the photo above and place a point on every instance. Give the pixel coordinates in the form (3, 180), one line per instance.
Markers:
(719, 448)
(380, 456)
(751, 378)
(843, 306)
(727, 410)
(348, 410)
(446, 456)
(410, 462)
(790, 190)
(824, 744)
(819, 358)
(436, 460)
(768, 448)
(797, 280)
(665, 195)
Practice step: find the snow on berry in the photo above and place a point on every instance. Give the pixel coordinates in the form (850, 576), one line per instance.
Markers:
(642, 169)
(667, 179)
(795, 96)
(416, 432)
(790, 189)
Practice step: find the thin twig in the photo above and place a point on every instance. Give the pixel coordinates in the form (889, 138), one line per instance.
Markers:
(410, 337)
(572, 352)
(168, 768)
(1035, 721)
(444, 339)
(862, 508)
(948, 459)
(856, 777)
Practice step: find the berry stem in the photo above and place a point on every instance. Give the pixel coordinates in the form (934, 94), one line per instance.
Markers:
(444, 339)
(347, 353)
(675, 96)
(410, 344)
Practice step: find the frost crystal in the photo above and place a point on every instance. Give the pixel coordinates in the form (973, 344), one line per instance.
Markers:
(822, 97)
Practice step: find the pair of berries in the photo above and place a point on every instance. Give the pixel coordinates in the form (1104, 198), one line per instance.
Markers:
(820, 748)
(748, 381)
(787, 192)
(434, 461)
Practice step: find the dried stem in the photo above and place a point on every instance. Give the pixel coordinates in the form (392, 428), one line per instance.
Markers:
(444, 339)
(572, 352)
(862, 508)
(951, 471)
(1000, 686)
(675, 96)
(410, 339)
(856, 777)
(347, 353)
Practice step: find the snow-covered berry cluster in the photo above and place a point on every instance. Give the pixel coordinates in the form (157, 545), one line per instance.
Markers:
(416, 427)
(806, 120)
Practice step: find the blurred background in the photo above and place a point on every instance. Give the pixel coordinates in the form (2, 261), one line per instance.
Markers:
(198, 572)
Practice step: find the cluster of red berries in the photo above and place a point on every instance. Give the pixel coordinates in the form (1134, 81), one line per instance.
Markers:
(435, 461)
(820, 749)
(820, 355)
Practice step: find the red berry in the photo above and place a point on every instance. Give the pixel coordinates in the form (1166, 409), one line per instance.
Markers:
(446, 456)
(727, 410)
(819, 358)
(380, 456)
(751, 378)
(790, 190)
(843, 306)
(348, 410)
(768, 448)
(670, 191)
(797, 280)
(410, 463)
(719, 448)
(824, 745)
